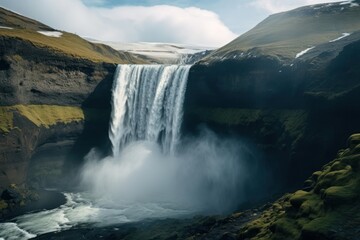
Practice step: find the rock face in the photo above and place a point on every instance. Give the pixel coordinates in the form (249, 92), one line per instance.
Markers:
(31, 75)
(54, 100)
(298, 111)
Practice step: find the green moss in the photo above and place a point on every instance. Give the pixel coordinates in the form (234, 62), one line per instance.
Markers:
(354, 140)
(331, 203)
(3, 205)
(287, 229)
(321, 225)
(40, 115)
(312, 207)
(72, 45)
(6, 119)
(340, 195)
(47, 115)
(333, 178)
(299, 197)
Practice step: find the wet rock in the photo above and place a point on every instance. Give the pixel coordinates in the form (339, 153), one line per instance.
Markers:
(11, 194)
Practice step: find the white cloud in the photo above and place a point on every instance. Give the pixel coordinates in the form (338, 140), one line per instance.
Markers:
(160, 23)
(275, 6)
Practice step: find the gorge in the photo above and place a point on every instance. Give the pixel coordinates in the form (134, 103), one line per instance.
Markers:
(133, 148)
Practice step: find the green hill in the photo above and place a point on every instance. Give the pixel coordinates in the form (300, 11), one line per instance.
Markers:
(288, 33)
(14, 26)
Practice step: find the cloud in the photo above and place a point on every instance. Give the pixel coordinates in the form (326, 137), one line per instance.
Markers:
(275, 6)
(162, 23)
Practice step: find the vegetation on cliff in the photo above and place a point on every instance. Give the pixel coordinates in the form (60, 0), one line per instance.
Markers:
(328, 207)
(40, 115)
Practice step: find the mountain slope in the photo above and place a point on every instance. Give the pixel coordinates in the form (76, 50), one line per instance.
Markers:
(55, 90)
(15, 26)
(255, 87)
(285, 35)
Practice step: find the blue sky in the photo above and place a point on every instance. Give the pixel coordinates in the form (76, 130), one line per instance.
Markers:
(210, 23)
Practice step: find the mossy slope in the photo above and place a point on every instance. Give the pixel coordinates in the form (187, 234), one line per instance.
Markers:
(40, 115)
(69, 44)
(328, 207)
(72, 45)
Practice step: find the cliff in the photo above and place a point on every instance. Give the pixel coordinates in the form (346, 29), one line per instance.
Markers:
(54, 99)
(296, 109)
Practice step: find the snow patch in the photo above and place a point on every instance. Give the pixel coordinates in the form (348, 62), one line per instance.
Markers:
(3, 27)
(351, 2)
(168, 52)
(344, 35)
(303, 52)
(50, 33)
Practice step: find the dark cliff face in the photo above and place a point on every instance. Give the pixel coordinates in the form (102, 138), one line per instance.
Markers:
(31, 75)
(39, 77)
(297, 113)
(290, 85)
(54, 101)
(40, 154)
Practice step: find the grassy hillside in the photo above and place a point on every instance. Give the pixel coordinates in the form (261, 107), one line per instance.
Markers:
(40, 115)
(288, 33)
(20, 27)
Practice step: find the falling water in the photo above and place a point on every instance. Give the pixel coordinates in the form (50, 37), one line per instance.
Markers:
(147, 105)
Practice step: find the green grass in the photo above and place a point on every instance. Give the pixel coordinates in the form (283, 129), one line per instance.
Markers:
(47, 115)
(72, 45)
(286, 34)
(69, 44)
(6, 119)
(40, 115)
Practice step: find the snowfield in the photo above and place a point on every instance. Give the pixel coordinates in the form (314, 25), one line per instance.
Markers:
(50, 33)
(165, 52)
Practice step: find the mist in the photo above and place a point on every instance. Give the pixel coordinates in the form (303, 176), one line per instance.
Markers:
(207, 175)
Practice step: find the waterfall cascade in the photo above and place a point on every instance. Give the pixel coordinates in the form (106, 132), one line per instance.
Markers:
(147, 103)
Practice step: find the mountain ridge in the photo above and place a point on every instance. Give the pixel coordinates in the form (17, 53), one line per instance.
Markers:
(286, 34)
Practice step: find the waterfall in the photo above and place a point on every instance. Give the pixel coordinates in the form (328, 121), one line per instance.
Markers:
(147, 103)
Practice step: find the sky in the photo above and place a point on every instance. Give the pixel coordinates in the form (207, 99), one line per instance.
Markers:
(211, 23)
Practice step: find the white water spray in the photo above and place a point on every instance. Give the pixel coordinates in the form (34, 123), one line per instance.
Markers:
(148, 164)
